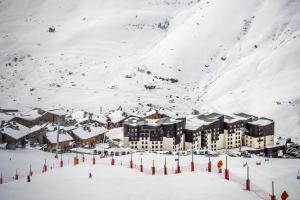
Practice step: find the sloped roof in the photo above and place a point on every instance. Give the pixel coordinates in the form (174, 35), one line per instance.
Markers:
(16, 131)
(92, 131)
(52, 137)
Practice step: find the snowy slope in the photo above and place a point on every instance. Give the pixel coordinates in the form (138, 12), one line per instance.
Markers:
(228, 56)
(120, 182)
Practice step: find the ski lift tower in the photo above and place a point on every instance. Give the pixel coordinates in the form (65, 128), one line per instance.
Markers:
(59, 131)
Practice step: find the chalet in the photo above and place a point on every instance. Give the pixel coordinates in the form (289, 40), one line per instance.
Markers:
(54, 115)
(82, 117)
(154, 114)
(88, 135)
(64, 144)
(30, 118)
(5, 118)
(15, 134)
(116, 119)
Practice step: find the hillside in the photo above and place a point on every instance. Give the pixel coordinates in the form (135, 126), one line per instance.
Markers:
(225, 56)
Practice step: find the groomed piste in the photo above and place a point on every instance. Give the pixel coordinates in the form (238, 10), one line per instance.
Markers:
(144, 175)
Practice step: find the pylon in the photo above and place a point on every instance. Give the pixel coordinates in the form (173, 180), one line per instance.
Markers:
(209, 166)
(226, 170)
(248, 184)
(153, 169)
(165, 167)
(248, 180)
(273, 197)
(30, 171)
(178, 169)
(17, 175)
(226, 174)
(45, 166)
(192, 166)
(131, 164)
(141, 166)
(112, 161)
(94, 160)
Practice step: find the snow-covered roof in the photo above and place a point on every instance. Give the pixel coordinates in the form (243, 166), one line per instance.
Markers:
(90, 132)
(16, 131)
(81, 116)
(52, 137)
(195, 123)
(59, 111)
(115, 133)
(5, 117)
(150, 122)
(31, 114)
(52, 127)
(117, 116)
(261, 122)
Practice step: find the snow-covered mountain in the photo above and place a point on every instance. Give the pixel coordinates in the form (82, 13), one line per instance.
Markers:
(225, 56)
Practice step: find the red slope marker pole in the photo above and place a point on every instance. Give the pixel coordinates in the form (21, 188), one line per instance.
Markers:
(248, 180)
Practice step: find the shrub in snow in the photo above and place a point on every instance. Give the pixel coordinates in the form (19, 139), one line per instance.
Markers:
(51, 29)
(164, 25)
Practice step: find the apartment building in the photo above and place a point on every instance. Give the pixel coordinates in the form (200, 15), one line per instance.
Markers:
(164, 134)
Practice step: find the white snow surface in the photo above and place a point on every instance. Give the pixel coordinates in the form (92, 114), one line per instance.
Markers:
(73, 182)
(228, 56)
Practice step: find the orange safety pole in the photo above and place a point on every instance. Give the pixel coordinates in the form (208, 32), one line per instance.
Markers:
(131, 162)
(17, 175)
(226, 171)
(61, 163)
(248, 180)
(141, 166)
(112, 161)
(273, 197)
(94, 160)
(153, 169)
(209, 165)
(45, 166)
(1, 179)
(75, 161)
(165, 167)
(30, 171)
(192, 163)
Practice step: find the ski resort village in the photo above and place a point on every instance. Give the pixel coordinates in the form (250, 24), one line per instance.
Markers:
(149, 99)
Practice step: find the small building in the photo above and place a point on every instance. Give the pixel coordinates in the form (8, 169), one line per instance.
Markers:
(116, 119)
(154, 114)
(5, 118)
(65, 141)
(83, 117)
(30, 118)
(54, 115)
(14, 134)
(88, 135)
